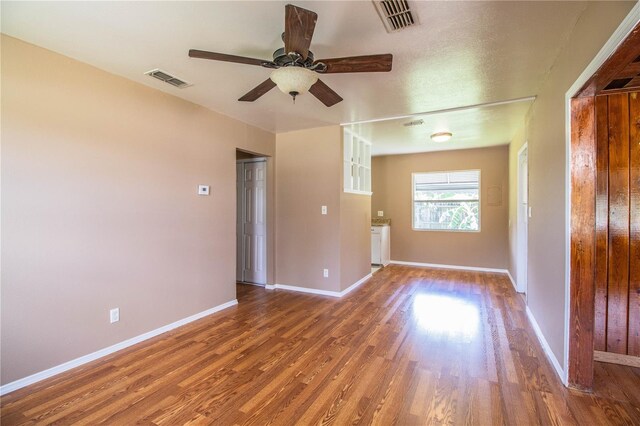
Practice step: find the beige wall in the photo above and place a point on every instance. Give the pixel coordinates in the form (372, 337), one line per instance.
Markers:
(308, 177)
(99, 208)
(544, 130)
(391, 186)
(355, 238)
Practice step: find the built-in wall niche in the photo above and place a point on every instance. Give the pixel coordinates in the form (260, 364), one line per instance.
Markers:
(357, 164)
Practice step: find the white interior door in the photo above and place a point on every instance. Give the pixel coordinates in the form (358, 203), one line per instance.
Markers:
(239, 216)
(523, 219)
(254, 247)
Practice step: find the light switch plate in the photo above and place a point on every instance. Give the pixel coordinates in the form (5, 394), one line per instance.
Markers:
(324, 209)
(325, 273)
(380, 213)
(203, 189)
(114, 315)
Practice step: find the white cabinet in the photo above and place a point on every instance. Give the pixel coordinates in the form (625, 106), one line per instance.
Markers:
(380, 245)
(357, 163)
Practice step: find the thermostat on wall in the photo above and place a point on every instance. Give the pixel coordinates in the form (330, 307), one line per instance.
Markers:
(203, 189)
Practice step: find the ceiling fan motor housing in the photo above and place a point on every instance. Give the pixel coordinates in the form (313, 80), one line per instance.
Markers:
(283, 59)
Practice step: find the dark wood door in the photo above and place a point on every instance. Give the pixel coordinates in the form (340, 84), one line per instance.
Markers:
(617, 276)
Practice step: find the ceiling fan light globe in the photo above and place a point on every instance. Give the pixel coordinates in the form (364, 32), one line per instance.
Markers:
(294, 79)
(440, 137)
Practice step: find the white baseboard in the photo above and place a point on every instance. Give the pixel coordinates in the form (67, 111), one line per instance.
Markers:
(356, 284)
(317, 291)
(547, 349)
(456, 267)
(26, 381)
(306, 290)
(515, 287)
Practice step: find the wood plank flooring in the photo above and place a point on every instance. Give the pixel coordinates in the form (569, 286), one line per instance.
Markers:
(411, 346)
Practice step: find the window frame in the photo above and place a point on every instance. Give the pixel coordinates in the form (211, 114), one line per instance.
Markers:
(413, 201)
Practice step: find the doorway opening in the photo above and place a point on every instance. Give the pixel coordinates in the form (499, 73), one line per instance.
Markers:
(251, 218)
(522, 218)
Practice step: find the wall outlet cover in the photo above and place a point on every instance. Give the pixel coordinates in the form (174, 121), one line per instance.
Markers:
(324, 210)
(203, 189)
(114, 315)
(325, 273)
(380, 213)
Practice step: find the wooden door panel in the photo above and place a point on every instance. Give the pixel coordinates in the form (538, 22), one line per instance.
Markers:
(634, 225)
(618, 256)
(583, 182)
(602, 222)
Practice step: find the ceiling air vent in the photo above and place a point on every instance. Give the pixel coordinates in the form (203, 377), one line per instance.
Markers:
(395, 14)
(168, 78)
(414, 123)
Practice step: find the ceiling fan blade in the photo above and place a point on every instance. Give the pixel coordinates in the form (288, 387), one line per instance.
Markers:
(324, 93)
(299, 24)
(258, 91)
(226, 58)
(369, 63)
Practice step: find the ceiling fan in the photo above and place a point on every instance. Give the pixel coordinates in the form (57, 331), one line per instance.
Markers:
(295, 70)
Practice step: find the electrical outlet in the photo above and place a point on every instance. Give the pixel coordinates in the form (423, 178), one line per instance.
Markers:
(203, 189)
(114, 315)
(380, 213)
(324, 210)
(325, 273)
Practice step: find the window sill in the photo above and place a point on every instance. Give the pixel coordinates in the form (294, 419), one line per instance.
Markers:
(353, 191)
(474, 231)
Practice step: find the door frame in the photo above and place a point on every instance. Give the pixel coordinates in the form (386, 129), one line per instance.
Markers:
(580, 183)
(522, 226)
(239, 240)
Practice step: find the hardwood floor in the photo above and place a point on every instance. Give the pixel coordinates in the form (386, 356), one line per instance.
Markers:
(411, 346)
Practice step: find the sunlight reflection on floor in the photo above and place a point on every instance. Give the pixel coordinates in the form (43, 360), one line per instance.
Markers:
(446, 316)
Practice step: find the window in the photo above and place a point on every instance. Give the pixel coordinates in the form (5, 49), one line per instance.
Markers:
(446, 201)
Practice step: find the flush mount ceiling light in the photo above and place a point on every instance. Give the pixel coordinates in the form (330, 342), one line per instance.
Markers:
(441, 136)
(294, 80)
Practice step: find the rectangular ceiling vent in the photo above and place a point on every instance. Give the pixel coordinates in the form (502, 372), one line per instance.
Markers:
(414, 123)
(168, 78)
(395, 14)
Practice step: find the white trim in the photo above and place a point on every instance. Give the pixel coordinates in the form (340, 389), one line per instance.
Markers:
(623, 30)
(442, 111)
(306, 290)
(251, 160)
(457, 267)
(522, 287)
(270, 287)
(513, 282)
(317, 291)
(26, 381)
(546, 348)
(356, 284)
(523, 147)
(354, 191)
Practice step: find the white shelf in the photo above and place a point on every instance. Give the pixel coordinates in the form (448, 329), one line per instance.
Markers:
(356, 164)
(353, 191)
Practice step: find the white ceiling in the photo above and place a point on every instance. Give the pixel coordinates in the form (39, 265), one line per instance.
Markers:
(471, 128)
(462, 53)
